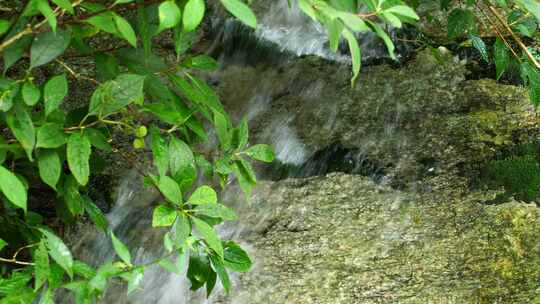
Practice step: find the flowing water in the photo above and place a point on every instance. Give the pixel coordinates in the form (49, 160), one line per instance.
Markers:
(288, 34)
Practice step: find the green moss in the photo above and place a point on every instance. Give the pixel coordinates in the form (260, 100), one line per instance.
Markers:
(518, 174)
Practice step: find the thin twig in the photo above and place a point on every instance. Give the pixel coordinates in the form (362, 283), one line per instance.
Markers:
(516, 38)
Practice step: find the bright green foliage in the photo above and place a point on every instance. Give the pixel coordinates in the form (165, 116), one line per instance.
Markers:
(45, 141)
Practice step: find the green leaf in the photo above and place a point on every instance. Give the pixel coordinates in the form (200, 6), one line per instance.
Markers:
(50, 167)
(65, 4)
(47, 46)
(78, 156)
(54, 92)
(404, 11)
(104, 22)
(106, 66)
(164, 216)
(222, 273)
(353, 22)
(4, 26)
(97, 139)
(222, 129)
(42, 268)
(532, 6)
(58, 251)
(13, 188)
(261, 152)
(335, 27)
(169, 15)
(235, 258)
(459, 22)
(193, 14)
(95, 214)
(531, 77)
(116, 94)
(203, 195)
(502, 57)
(244, 177)
(216, 210)
(181, 162)
(170, 189)
(30, 93)
(72, 197)
(2, 244)
(241, 134)
(182, 229)
(125, 30)
(209, 235)
(202, 62)
(121, 249)
(386, 39)
(22, 127)
(159, 151)
(44, 7)
(50, 135)
(135, 279)
(479, 44)
(355, 54)
(241, 11)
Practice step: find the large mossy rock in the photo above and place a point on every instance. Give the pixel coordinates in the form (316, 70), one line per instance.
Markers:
(342, 239)
(423, 117)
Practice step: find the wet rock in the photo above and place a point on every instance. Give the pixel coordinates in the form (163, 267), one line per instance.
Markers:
(343, 239)
(424, 113)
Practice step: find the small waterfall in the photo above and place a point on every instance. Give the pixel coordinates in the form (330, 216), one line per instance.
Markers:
(293, 34)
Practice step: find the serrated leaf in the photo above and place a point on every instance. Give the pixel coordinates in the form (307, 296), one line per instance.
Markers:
(58, 251)
(163, 216)
(241, 11)
(50, 135)
(30, 93)
(54, 92)
(203, 195)
(13, 188)
(170, 189)
(50, 167)
(78, 156)
(121, 250)
(47, 46)
(72, 196)
(209, 235)
(22, 127)
(193, 14)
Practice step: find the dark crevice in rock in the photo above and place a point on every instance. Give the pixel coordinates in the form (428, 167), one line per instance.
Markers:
(334, 158)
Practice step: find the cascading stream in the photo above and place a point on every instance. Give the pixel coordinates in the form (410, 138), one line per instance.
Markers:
(291, 33)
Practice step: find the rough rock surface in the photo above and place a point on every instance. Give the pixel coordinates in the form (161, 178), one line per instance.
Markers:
(342, 239)
(423, 117)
